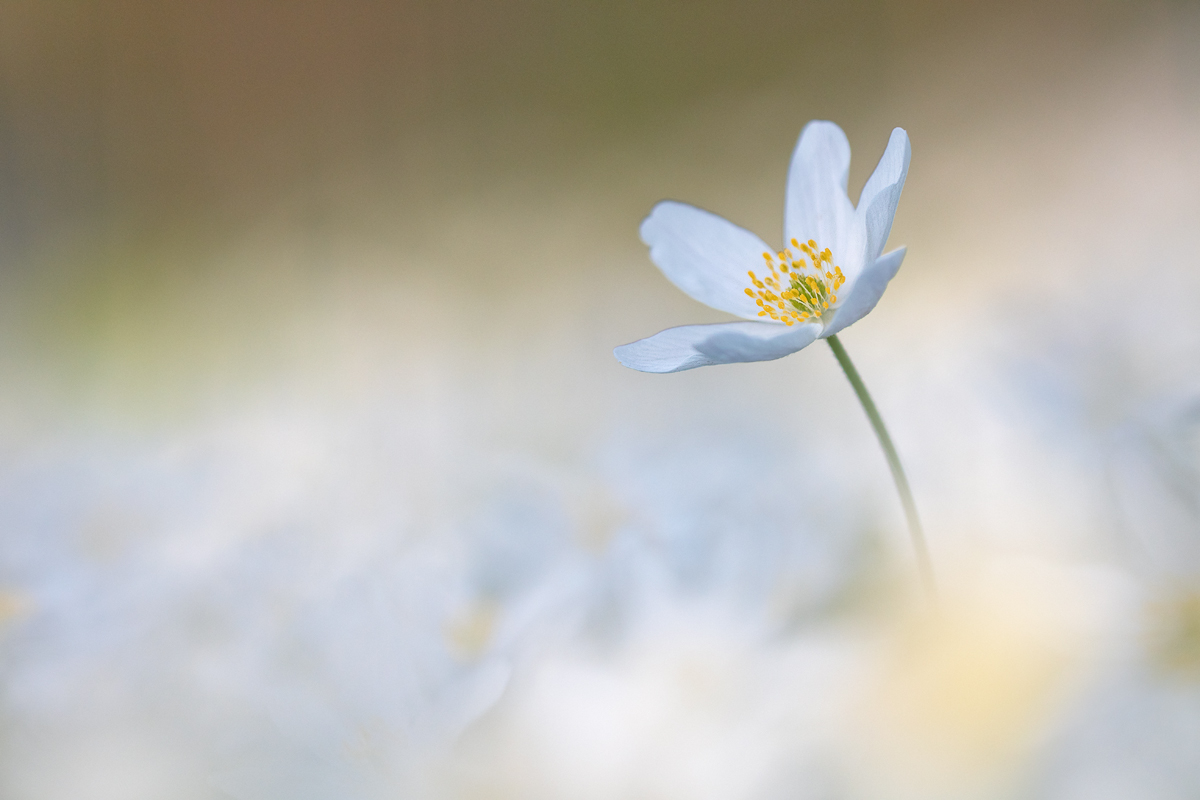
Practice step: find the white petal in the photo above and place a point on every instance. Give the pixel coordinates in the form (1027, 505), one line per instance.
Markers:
(691, 346)
(866, 291)
(704, 255)
(877, 204)
(817, 206)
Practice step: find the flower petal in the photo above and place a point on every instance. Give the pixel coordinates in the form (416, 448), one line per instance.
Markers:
(866, 291)
(877, 204)
(817, 206)
(691, 346)
(704, 255)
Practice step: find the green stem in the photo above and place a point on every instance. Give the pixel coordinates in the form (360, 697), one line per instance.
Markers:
(889, 450)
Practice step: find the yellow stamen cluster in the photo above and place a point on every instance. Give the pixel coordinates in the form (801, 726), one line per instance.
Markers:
(800, 287)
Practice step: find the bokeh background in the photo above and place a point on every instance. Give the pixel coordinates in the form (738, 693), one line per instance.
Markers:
(318, 478)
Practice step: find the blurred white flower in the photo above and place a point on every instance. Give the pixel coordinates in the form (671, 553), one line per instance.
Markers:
(799, 295)
(705, 697)
(963, 702)
(696, 700)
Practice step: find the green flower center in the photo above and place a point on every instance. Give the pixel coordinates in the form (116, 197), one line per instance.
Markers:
(800, 287)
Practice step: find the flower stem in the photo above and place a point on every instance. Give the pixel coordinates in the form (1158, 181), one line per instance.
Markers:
(889, 450)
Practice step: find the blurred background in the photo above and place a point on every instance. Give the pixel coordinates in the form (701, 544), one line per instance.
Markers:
(318, 478)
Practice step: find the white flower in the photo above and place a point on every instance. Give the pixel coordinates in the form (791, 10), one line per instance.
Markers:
(829, 277)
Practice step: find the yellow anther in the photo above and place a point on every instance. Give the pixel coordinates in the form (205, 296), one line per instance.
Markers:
(797, 296)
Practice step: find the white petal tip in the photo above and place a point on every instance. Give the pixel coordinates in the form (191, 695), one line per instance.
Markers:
(643, 358)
